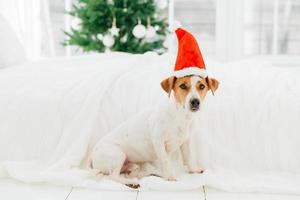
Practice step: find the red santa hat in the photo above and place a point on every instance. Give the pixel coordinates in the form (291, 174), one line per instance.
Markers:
(189, 58)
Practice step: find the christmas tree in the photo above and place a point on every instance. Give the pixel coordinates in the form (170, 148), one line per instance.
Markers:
(119, 25)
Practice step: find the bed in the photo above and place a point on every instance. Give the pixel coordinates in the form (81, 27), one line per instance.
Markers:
(52, 112)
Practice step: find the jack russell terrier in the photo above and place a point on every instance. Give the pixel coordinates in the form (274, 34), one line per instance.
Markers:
(153, 135)
(150, 137)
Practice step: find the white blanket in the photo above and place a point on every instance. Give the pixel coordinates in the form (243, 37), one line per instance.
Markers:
(52, 111)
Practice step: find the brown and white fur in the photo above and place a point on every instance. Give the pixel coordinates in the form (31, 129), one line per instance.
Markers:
(150, 137)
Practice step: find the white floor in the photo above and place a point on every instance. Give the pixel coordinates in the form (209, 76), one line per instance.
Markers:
(13, 190)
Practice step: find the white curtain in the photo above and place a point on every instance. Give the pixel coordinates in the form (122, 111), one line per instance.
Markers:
(24, 17)
(29, 21)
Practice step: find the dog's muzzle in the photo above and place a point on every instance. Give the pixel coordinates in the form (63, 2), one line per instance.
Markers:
(194, 104)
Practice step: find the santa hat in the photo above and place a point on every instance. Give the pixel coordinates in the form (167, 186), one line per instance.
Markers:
(189, 58)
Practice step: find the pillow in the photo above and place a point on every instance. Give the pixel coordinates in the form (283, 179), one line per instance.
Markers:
(11, 50)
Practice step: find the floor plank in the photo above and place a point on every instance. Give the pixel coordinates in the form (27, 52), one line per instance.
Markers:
(94, 194)
(171, 195)
(212, 194)
(14, 190)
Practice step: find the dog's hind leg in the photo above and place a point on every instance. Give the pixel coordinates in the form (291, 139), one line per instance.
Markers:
(118, 160)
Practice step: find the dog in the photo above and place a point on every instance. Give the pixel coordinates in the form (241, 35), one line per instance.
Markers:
(151, 136)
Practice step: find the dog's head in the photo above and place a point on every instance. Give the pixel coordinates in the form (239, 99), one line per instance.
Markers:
(189, 91)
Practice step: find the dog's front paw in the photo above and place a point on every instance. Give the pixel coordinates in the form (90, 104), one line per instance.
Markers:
(196, 171)
(133, 185)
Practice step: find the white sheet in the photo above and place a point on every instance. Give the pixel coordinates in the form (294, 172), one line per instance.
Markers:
(247, 139)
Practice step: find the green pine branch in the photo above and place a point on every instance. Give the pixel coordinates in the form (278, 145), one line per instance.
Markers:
(96, 17)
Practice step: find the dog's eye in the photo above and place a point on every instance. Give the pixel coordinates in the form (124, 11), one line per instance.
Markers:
(202, 86)
(183, 86)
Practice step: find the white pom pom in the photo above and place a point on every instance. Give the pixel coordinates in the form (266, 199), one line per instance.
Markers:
(174, 25)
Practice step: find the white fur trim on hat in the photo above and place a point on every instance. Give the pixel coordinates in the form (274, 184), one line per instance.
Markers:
(190, 71)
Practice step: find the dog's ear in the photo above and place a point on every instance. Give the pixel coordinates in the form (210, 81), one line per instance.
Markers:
(213, 84)
(168, 84)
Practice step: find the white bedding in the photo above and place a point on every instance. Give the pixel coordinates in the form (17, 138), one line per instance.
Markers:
(52, 111)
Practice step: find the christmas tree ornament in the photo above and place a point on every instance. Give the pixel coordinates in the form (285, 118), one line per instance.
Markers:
(139, 31)
(110, 2)
(150, 32)
(161, 4)
(124, 39)
(114, 30)
(125, 6)
(117, 25)
(100, 36)
(75, 23)
(108, 40)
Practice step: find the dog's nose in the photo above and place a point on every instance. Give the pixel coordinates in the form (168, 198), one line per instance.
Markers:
(195, 103)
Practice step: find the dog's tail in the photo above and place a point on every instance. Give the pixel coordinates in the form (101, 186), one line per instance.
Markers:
(91, 169)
